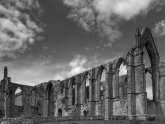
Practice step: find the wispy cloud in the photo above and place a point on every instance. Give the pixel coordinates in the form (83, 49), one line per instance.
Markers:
(81, 63)
(18, 26)
(159, 28)
(104, 16)
(76, 66)
(32, 72)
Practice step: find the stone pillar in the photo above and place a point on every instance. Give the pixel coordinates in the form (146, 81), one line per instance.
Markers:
(96, 91)
(76, 93)
(7, 106)
(108, 97)
(83, 92)
(131, 86)
(12, 101)
(78, 96)
(116, 84)
(5, 72)
(7, 98)
(156, 85)
(97, 97)
(45, 106)
(81, 103)
(140, 83)
(25, 104)
(162, 86)
(162, 82)
(91, 99)
(70, 95)
(82, 97)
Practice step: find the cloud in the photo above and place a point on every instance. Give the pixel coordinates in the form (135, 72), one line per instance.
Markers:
(104, 16)
(78, 61)
(76, 66)
(26, 4)
(80, 64)
(159, 28)
(18, 27)
(35, 71)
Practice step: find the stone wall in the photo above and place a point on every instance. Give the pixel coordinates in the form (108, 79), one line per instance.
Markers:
(115, 96)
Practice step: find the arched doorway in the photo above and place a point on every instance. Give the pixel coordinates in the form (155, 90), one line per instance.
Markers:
(59, 112)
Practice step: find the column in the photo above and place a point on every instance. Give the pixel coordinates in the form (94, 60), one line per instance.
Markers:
(97, 96)
(140, 83)
(45, 106)
(131, 86)
(7, 99)
(109, 97)
(91, 97)
(70, 95)
(116, 84)
(162, 87)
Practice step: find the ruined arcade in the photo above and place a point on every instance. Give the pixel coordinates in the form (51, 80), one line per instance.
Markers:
(100, 92)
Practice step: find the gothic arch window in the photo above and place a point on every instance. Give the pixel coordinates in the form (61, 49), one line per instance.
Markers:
(149, 88)
(33, 98)
(62, 90)
(121, 79)
(122, 69)
(101, 92)
(102, 82)
(18, 97)
(150, 52)
(87, 80)
(62, 87)
(148, 74)
(120, 75)
(73, 91)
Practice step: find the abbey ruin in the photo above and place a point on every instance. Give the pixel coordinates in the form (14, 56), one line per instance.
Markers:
(100, 92)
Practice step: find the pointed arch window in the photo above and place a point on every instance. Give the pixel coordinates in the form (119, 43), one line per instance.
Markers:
(18, 97)
(33, 98)
(73, 91)
(87, 88)
(102, 88)
(122, 69)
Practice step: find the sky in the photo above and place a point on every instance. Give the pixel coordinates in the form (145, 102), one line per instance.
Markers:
(42, 40)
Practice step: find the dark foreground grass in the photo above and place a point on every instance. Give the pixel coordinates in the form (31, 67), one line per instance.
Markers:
(109, 122)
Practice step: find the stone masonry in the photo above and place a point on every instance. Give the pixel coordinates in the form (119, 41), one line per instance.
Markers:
(88, 94)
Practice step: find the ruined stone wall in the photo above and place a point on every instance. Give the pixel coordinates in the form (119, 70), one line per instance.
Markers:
(115, 96)
(162, 86)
